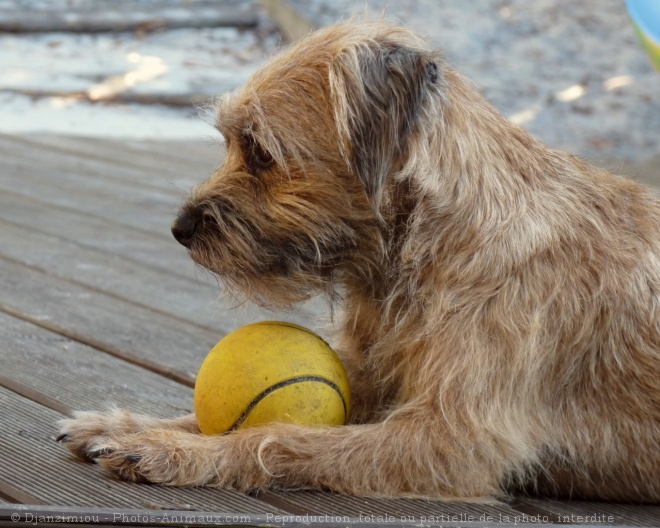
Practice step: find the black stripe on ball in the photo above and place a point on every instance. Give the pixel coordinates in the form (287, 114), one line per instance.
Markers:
(286, 383)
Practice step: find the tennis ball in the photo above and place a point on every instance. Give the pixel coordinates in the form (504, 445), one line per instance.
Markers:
(271, 372)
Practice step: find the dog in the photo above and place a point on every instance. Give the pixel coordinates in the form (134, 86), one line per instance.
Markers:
(501, 300)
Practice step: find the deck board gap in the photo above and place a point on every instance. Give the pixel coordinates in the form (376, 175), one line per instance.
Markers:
(157, 368)
(17, 496)
(88, 156)
(81, 218)
(101, 200)
(108, 293)
(33, 394)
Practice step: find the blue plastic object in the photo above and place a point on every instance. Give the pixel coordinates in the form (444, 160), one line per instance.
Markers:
(646, 16)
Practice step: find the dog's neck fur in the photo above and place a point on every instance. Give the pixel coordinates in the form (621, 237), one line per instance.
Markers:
(471, 165)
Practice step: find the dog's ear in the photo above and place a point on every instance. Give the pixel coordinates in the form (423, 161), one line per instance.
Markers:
(378, 91)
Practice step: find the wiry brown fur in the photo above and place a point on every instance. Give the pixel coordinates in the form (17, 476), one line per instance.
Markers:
(502, 300)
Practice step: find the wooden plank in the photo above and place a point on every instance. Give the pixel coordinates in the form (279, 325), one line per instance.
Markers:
(123, 278)
(114, 160)
(32, 393)
(164, 344)
(149, 155)
(31, 460)
(11, 495)
(209, 152)
(291, 23)
(89, 517)
(78, 377)
(597, 513)
(141, 209)
(171, 183)
(145, 197)
(180, 99)
(391, 510)
(96, 233)
(126, 19)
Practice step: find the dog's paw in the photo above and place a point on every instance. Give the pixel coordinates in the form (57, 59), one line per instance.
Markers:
(86, 431)
(158, 456)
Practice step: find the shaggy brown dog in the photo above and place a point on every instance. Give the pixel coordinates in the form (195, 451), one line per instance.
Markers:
(502, 299)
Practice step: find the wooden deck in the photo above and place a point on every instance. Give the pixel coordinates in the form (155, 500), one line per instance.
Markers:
(99, 305)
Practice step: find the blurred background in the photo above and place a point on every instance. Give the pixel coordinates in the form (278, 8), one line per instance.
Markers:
(573, 73)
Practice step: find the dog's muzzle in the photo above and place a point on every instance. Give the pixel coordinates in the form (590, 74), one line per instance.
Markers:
(185, 227)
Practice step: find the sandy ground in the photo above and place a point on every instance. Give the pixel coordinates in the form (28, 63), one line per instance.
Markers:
(169, 63)
(571, 72)
(174, 63)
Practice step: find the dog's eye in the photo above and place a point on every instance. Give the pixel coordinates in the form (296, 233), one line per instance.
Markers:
(261, 159)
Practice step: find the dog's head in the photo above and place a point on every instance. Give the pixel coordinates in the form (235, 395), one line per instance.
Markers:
(313, 142)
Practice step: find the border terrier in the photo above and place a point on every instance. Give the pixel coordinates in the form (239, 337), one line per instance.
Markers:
(500, 299)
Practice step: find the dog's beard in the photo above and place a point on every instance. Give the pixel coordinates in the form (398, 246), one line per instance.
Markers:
(272, 270)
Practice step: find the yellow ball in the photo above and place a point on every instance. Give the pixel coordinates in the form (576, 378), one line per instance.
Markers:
(271, 372)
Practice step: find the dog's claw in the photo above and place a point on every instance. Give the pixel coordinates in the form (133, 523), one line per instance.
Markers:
(99, 453)
(63, 438)
(133, 459)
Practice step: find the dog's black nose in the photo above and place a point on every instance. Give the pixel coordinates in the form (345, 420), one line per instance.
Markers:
(185, 226)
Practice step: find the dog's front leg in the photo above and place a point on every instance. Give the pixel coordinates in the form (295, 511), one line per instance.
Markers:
(396, 457)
